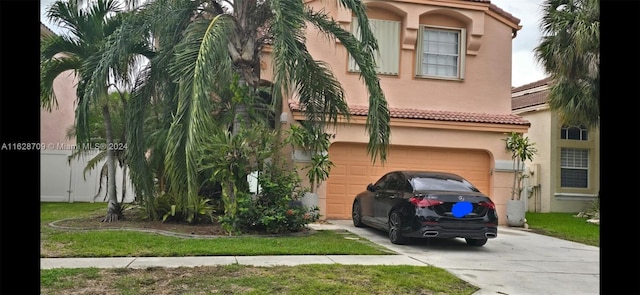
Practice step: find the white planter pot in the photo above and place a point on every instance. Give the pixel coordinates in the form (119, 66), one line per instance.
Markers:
(516, 213)
(310, 200)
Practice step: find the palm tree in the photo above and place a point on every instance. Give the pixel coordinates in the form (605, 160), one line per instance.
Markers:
(521, 150)
(98, 135)
(79, 51)
(199, 46)
(570, 53)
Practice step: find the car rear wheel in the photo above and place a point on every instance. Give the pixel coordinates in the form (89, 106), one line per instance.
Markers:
(395, 226)
(476, 242)
(356, 214)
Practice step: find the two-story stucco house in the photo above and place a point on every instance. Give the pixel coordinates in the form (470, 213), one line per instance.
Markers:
(445, 68)
(566, 168)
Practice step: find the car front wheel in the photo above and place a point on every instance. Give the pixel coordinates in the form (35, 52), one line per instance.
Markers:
(356, 214)
(395, 226)
(476, 242)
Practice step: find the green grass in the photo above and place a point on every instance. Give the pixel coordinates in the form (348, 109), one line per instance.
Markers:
(125, 243)
(226, 279)
(52, 211)
(564, 226)
(116, 243)
(239, 279)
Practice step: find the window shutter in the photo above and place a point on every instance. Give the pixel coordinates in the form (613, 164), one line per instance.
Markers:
(388, 35)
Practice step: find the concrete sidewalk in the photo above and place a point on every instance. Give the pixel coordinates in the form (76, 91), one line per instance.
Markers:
(193, 261)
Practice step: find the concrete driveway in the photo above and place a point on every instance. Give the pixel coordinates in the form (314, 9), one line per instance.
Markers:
(517, 262)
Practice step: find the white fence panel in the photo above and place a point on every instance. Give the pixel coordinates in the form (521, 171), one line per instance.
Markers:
(55, 175)
(64, 181)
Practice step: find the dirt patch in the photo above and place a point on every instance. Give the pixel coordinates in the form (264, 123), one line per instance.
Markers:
(135, 218)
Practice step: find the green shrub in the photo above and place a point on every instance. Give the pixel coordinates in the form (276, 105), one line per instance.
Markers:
(277, 209)
(200, 212)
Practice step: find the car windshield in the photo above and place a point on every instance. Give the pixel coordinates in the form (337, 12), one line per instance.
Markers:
(439, 184)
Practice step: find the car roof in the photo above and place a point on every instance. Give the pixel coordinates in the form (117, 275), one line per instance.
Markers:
(429, 174)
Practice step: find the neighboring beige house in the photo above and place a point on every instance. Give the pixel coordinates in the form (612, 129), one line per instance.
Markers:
(566, 169)
(445, 67)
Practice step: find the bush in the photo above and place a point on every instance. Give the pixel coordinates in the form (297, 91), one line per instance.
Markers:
(200, 212)
(276, 208)
(277, 219)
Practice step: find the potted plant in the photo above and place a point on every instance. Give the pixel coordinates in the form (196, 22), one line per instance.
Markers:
(316, 145)
(521, 150)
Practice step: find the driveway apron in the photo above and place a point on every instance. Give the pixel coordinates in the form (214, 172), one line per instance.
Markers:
(517, 262)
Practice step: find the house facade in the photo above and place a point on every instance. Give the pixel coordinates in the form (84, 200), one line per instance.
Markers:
(564, 174)
(445, 69)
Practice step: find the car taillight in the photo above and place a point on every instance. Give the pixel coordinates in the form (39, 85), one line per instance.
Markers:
(424, 203)
(489, 204)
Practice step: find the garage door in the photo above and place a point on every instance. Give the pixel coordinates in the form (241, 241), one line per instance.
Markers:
(353, 170)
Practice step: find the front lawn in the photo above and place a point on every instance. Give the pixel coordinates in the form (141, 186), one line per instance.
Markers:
(130, 243)
(564, 226)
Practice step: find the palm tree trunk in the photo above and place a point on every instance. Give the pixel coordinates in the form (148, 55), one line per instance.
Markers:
(515, 176)
(113, 209)
(240, 121)
(518, 179)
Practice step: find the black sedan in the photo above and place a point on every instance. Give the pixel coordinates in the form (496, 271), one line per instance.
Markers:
(422, 204)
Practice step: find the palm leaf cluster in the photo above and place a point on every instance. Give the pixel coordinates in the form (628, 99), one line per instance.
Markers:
(185, 61)
(570, 52)
(78, 51)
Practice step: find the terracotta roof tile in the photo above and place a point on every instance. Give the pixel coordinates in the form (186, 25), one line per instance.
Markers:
(529, 99)
(403, 113)
(500, 11)
(534, 84)
(533, 98)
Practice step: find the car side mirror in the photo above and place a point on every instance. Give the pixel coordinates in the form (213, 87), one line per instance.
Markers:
(370, 187)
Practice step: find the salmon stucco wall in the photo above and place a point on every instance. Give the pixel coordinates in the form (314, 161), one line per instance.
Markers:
(486, 87)
(54, 124)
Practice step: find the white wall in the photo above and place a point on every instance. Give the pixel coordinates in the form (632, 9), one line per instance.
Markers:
(63, 181)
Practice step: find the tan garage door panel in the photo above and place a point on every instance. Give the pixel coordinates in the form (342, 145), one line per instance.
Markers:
(353, 170)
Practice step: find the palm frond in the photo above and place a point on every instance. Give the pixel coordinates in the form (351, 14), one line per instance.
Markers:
(49, 71)
(569, 52)
(201, 63)
(93, 163)
(574, 100)
(139, 170)
(68, 47)
(368, 40)
(378, 116)
(103, 175)
(288, 30)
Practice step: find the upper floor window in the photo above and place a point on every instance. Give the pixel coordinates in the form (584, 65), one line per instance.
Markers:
(441, 52)
(387, 32)
(574, 132)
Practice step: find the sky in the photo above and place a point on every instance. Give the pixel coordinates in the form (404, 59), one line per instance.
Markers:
(525, 69)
